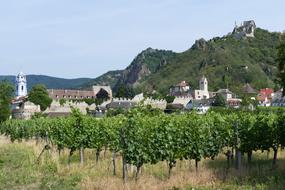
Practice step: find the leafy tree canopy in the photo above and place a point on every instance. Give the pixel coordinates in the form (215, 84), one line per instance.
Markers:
(247, 101)
(125, 92)
(219, 101)
(6, 94)
(39, 96)
(169, 99)
(281, 65)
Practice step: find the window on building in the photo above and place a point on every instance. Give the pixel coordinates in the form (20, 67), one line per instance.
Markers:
(22, 87)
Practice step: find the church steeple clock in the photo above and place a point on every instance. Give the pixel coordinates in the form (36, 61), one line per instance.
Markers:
(21, 85)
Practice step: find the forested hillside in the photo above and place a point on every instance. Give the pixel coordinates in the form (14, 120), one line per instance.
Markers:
(226, 61)
(49, 82)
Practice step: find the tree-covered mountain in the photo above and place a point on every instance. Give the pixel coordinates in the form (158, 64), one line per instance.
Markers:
(147, 62)
(226, 62)
(49, 82)
(247, 55)
(108, 79)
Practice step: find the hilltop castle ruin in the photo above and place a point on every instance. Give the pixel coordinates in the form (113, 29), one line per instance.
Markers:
(246, 29)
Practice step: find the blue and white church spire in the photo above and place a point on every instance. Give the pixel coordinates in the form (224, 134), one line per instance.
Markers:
(21, 85)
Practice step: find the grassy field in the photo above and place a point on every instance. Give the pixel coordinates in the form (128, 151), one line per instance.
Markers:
(19, 170)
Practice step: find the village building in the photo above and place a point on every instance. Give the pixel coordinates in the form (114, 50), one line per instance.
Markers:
(21, 85)
(201, 106)
(180, 89)
(225, 93)
(203, 92)
(57, 94)
(278, 100)
(230, 98)
(264, 97)
(247, 89)
(21, 107)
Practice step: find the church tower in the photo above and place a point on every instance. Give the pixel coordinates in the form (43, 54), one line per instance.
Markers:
(21, 85)
(203, 83)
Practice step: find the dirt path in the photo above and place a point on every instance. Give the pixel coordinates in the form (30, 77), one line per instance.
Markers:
(4, 140)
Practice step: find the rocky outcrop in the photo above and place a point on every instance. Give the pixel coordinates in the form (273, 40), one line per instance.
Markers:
(245, 30)
(135, 73)
(145, 63)
(200, 44)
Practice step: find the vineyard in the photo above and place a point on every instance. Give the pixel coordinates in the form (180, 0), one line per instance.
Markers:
(147, 136)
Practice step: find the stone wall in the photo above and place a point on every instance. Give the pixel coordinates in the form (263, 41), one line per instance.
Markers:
(161, 104)
(55, 107)
(182, 100)
(25, 111)
(108, 89)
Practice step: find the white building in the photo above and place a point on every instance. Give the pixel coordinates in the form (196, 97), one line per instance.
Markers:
(21, 107)
(201, 106)
(203, 92)
(278, 100)
(21, 85)
(229, 97)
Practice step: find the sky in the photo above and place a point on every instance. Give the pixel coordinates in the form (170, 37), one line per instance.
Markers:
(86, 38)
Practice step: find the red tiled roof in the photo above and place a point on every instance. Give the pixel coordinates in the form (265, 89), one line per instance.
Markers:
(182, 84)
(266, 91)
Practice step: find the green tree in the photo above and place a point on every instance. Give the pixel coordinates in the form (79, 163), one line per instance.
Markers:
(169, 99)
(39, 96)
(281, 65)
(125, 92)
(219, 101)
(89, 101)
(62, 102)
(6, 94)
(247, 101)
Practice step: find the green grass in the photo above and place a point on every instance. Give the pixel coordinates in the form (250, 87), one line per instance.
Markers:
(18, 170)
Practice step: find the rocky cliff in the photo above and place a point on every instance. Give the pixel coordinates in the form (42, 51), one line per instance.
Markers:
(147, 62)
